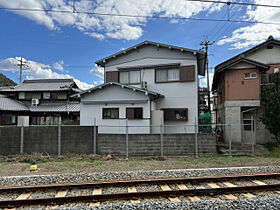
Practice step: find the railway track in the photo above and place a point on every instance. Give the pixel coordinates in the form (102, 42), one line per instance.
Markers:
(168, 188)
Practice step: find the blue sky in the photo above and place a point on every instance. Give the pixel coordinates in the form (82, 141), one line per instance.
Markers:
(59, 45)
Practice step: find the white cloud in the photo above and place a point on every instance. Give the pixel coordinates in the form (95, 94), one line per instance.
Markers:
(59, 65)
(96, 35)
(107, 26)
(98, 71)
(255, 33)
(37, 70)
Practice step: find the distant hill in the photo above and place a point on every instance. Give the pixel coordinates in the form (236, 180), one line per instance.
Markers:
(5, 81)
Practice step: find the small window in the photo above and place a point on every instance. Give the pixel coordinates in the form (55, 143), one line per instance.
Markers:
(247, 125)
(276, 70)
(110, 113)
(252, 75)
(134, 113)
(130, 77)
(53, 95)
(46, 95)
(175, 114)
(167, 75)
(21, 95)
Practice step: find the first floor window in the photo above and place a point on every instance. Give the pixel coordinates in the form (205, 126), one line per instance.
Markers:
(46, 95)
(134, 113)
(130, 77)
(110, 113)
(166, 75)
(247, 125)
(252, 75)
(175, 114)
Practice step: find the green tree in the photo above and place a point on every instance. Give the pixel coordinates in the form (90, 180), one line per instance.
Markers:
(270, 100)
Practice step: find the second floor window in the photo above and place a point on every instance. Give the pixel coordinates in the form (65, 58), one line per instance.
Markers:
(130, 77)
(167, 75)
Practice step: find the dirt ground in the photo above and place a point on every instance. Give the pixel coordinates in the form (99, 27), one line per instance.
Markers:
(20, 165)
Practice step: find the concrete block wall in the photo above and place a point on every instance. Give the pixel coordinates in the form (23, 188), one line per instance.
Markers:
(80, 139)
(9, 140)
(149, 144)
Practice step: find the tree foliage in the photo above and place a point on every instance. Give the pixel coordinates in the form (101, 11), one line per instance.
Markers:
(5, 81)
(270, 100)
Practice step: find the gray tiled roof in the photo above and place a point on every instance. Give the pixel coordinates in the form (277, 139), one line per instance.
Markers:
(70, 106)
(43, 85)
(158, 95)
(8, 104)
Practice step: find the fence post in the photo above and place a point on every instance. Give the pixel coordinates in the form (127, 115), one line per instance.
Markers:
(126, 139)
(21, 137)
(94, 136)
(229, 142)
(252, 135)
(161, 140)
(59, 138)
(195, 143)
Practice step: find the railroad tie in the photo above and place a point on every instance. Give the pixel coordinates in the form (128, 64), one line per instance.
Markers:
(133, 190)
(96, 191)
(230, 196)
(165, 187)
(61, 193)
(259, 182)
(184, 187)
(248, 195)
(213, 185)
(24, 196)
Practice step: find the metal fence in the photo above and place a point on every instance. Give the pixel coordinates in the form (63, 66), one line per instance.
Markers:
(127, 140)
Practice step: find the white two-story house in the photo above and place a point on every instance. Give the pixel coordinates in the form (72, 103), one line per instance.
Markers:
(147, 85)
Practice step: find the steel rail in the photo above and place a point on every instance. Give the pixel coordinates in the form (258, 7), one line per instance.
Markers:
(136, 182)
(133, 195)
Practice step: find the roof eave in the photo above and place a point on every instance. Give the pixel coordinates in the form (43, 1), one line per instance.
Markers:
(102, 61)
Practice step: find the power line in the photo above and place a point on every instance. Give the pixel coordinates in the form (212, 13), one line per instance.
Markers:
(236, 3)
(140, 16)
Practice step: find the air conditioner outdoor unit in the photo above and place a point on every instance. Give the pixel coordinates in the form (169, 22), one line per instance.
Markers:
(35, 102)
(144, 84)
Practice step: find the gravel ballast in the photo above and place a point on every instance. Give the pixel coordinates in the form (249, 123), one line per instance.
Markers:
(110, 176)
(263, 201)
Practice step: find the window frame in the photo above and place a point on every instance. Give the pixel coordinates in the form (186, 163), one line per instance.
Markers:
(251, 77)
(176, 109)
(166, 69)
(130, 83)
(114, 108)
(134, 108)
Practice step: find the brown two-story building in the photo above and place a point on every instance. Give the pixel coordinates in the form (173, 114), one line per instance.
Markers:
(237, 88)
(39, 102)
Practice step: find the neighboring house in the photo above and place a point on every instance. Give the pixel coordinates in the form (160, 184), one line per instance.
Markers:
(37, 102)
(237, 89)
(150, 84)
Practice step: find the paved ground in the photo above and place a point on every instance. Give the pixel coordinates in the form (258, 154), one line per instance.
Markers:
(19, 165)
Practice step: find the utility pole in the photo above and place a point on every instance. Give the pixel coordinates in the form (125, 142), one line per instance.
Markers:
(206, 43)
(21, 64)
